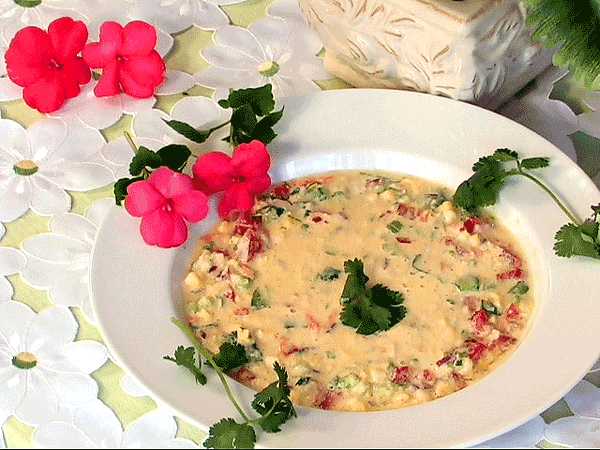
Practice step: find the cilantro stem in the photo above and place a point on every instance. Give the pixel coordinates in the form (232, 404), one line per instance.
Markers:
(569, 214)
(209, 357)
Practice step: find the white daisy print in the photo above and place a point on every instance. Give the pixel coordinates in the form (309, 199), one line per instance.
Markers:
(41, 367)
(38, 165)
(17, 14)
(12, 261)
(59, 261)
(96, 426)
(263, 53)
(151, 131)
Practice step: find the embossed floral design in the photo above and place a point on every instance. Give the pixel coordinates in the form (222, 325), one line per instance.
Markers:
(15, 15)
(47, 64)
(12, 261)
(38, 165)
(263, 53)
(96, 426)
(59, 261)
(150, 130)
(41, 366)
(582, 430)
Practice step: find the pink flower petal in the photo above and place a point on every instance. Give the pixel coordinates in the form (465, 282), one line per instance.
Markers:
(170, 183)
(142, 199)
(213, 172)
(164, 229)
(139, 38)
(251, 160)
(236, 198)
(109, 81)
(193, 206)
(100, 54)
(69, 84)
(140, 75)
(258, 185)
(78, 69)
(46, 95)
(68, 37)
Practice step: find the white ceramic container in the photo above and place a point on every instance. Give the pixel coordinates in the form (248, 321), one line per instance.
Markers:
(478, 51)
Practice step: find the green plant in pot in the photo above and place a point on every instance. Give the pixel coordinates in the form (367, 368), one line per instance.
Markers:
(573, 27)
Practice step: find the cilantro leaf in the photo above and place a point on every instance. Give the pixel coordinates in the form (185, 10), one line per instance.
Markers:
(580, 240)
(142, 159)
(229, 434)
(189, 131)
(369, 310)
(259, 99)
(186, 357)
(273, 403)
(535, 163)
(230, 356)
(120, 188)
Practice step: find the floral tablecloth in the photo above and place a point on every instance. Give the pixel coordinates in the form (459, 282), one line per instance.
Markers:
(76, 395)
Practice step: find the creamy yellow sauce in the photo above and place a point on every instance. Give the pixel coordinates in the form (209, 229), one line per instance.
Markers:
(272, 281)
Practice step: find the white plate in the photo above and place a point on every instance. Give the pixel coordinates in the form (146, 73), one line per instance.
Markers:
(135, 287)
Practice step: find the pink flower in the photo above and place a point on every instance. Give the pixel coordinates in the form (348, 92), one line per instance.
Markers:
(128, 60)
(242, 176)
(165, 201)
(46, 64)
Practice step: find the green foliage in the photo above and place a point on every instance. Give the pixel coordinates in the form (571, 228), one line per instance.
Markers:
(483, 189)
(186, 357)
(573, 26)
(252, 118)
(369, 310)
(229, 434)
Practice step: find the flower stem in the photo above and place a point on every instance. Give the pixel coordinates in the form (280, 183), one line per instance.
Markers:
(209, 357)
(131, 143)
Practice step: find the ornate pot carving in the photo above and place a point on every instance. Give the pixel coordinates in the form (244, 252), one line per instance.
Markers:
(473, 50)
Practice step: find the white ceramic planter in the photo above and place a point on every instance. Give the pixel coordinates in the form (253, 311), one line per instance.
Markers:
(473, 50)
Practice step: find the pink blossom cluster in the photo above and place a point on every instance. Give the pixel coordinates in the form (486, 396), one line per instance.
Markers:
(52, 65)
(166, 200)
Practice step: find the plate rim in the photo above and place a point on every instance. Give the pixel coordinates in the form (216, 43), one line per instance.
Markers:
(285, 140)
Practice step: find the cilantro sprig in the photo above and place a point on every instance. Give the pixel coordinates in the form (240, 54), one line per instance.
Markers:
(273, 403)
(581, 238)
(252, 118)
(369, 309)
(174, 156)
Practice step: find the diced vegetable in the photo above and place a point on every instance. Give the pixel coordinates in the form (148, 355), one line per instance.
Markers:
(329, 274)
(395, 226)
(519, 289)
(418, 263)
(467, 283)
(490, 308)
(258, 301)
(347, 382)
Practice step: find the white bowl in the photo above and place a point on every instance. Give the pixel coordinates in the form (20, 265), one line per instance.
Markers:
(136, 289)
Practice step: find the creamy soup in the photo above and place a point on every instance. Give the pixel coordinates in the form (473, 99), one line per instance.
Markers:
(272, 281)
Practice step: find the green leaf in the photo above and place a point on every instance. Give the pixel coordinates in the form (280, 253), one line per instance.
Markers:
(259, 99)
(573, 240)
(142, 159)
(573, 27)
(189, 131)
(244, 119)
(273, 403)
(264, 128)
(369, 310)
(231, 356)
(120, 188)
(535, 163)
(356, 281)
(229, 434)
(185, 357)
(174, 156)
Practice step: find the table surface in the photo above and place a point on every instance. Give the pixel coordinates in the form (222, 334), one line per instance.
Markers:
(78, 395)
